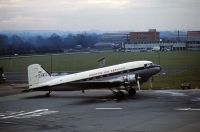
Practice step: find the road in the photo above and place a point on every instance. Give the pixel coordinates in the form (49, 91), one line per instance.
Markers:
(99, 111)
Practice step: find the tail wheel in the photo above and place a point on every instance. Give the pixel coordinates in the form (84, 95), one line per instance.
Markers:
(119, 95)
(48, 94)
(131, 92)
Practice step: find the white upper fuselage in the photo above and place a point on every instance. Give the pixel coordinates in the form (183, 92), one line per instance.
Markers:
(92, 73)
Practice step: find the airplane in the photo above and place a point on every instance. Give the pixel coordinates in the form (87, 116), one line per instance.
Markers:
(116, 78)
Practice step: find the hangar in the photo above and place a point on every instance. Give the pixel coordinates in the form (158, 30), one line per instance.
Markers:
(150, 46)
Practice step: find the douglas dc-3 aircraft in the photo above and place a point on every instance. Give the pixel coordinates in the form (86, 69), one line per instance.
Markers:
(116, 78)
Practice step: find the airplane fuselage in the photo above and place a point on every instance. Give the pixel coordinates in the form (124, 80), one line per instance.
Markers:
(87, 79)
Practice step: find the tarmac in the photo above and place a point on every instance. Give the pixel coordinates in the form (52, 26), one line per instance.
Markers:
(99, 111)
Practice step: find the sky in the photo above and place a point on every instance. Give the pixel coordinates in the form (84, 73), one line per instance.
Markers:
(100, 15)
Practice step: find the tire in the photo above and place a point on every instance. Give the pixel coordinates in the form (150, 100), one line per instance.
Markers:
(119, 95)
(132, 92)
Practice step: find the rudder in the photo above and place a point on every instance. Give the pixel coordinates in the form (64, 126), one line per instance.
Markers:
(37, 75)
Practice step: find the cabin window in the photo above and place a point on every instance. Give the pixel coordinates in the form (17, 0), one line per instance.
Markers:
(104, 75)
(148, 65)
(84, 80)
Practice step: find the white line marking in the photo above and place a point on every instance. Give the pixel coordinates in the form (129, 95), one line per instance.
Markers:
(189, 109)
(13, 113)
(108, 108)
(23, 114)
(172, 93)
(7, 122)
(195, 99)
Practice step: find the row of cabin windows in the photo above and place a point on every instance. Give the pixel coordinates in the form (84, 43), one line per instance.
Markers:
(98, 77)
(122, 72)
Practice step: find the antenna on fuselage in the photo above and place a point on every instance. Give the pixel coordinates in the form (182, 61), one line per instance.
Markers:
(51, 64)
(150, 82)
(138, 82)
(158, 54)
(102, 62)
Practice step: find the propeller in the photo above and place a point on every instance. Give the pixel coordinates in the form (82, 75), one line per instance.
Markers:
(150, 81)
(138, 82)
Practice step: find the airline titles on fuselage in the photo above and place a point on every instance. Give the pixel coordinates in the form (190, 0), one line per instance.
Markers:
(107, 72)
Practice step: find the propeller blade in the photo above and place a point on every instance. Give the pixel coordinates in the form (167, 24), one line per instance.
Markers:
(150, 81)
(138, 83)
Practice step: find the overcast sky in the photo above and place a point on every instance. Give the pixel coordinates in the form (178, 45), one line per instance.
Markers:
(103, 15)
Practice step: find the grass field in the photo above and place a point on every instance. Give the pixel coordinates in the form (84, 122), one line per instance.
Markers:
(178, 67)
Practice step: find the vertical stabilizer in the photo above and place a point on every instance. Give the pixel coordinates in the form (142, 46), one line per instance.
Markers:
(37, 75)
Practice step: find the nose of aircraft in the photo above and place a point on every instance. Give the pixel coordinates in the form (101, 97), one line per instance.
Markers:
(157, 68)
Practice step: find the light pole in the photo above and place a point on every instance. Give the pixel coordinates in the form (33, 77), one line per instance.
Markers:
(51, 63)
(158, 53)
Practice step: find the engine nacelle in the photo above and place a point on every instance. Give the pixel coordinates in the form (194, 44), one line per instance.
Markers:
(130, 79)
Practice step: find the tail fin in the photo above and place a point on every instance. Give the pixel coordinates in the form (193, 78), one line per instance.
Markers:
(37, 75)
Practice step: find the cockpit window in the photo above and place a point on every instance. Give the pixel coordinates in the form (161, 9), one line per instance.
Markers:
(148, 65)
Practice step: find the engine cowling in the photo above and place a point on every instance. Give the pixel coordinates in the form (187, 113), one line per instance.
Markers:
(130, 79)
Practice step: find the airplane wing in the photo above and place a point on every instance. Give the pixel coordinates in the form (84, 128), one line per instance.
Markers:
(82, 85)
(106, 83)
(97, 84)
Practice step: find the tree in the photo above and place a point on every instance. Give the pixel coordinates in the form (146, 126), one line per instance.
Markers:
(55, 43)
(3, 44)
(86, 40)
(69, 41)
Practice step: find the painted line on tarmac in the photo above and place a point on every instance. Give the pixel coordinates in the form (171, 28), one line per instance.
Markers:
(172, 93)
(30, 114)
(108, 108)
(188, 109)
(195, 99)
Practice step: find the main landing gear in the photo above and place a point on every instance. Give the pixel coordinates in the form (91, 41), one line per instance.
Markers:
(131, 92)
(120, 95)
(48, 94)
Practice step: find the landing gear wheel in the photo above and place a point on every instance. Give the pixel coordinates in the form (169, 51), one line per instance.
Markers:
(131, 92)
(48, 94)
(119, 95)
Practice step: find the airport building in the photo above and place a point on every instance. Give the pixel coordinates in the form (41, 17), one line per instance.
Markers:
(116, 38)
(155, 46)
(152, 36)
(193, 36)
(148, 41)
(112, 40)
(104, 45)
(193, 40)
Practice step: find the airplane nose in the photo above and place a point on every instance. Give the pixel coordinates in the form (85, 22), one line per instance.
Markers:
(158, 68)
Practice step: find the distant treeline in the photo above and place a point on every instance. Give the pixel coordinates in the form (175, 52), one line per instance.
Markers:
(10, 45)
